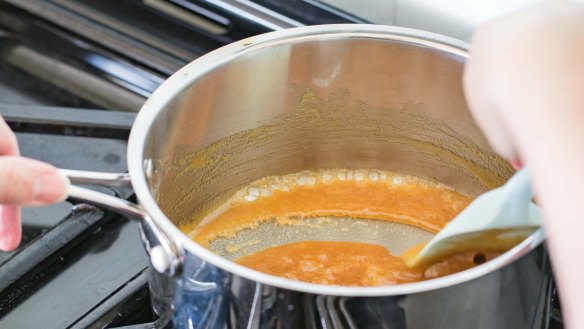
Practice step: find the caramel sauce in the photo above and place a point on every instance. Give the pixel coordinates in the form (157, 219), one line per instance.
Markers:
(335, 263)
(366, 194)
(352, 264)
(359, 194)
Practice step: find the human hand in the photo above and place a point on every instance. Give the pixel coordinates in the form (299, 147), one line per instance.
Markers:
(524, 84)
(521, 79)
(23, 182)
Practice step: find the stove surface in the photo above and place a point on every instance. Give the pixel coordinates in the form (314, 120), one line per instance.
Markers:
(77, 266)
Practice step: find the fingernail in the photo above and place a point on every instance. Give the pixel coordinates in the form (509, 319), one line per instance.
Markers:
(10, 228)
(51, 187)
(516, 164)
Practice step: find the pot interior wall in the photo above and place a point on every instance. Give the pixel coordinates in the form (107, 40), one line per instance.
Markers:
(336, 102)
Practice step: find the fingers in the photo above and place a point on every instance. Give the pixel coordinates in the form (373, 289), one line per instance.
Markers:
(484, 108)
(25, 181)
(10, 228)
(486, 73)
(8, 143)
(10, 218)
(509, 78)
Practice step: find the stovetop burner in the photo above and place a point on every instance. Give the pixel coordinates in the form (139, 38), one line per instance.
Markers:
(78, 266)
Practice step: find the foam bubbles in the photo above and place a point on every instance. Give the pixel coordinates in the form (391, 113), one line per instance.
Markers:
(265, 187)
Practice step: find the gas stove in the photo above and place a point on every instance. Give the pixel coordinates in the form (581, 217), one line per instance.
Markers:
(71, 75)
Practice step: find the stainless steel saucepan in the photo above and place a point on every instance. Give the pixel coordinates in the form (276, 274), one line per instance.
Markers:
(338, 96)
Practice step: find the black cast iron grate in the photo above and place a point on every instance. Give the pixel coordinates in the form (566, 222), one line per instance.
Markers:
(78, 266)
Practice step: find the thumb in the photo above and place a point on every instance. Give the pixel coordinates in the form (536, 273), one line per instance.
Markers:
(25, 181)
(10, 228)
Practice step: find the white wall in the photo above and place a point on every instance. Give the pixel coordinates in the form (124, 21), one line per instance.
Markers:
(455, 18)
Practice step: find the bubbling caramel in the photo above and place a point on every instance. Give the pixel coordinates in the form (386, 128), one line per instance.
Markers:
(334, 263)
(357, 194)
(352, 263)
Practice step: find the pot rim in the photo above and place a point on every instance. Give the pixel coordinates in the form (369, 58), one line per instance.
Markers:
(196, 69)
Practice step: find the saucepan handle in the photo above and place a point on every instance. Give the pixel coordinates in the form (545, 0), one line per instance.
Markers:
(165, 255)
(98, 178)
